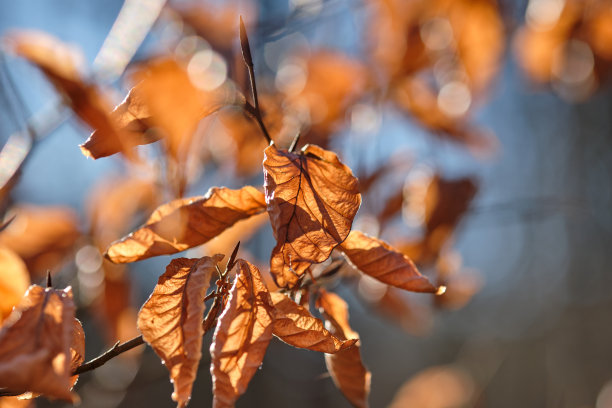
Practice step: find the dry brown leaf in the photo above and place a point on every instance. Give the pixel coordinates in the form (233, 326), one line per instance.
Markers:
(185, 223)
(312, 199)
(77, 349)
(379, 260)
(130, 118)
(171, 320)
(14, 281)
(346, 368)
(41, 236)
(62, 65)
(295, 325)
(35, 344)
(242, 335)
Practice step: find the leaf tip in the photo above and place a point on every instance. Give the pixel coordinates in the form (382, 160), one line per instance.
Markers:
(441, 290)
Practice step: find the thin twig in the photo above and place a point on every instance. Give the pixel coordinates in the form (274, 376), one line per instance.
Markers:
(248, 60)
(114, 351)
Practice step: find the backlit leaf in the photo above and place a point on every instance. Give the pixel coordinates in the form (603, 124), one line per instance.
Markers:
(312, 199)
(185, 223)
(346, 368)
(35, 344)
(379, 260)
(295, 325)
(171, 320)
(242, 335)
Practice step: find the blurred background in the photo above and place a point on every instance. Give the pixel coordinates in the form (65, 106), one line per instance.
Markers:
(481, 135)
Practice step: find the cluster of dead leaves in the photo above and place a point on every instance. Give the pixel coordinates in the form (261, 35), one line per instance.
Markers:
(310, 197)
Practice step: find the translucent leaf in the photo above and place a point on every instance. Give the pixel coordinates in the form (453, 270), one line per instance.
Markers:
(171, 320)
(295, 325)
(241, 337)
(312, 199)
(186, 223)
(379, 260)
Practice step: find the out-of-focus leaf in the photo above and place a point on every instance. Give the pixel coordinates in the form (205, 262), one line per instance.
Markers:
(439, 204)
(41, 236)
(424, 390)
(14, 281)
(173, 102)
(414, 95)
(171, 320)
(327, 83)
(379, 260)
(35, 344)
(185, 223)
(346, 368)
(312, 199)
(130, 117)
(217, 23)
(62, 65)
(112, 208)
(295, 325)
(414, 317)
(242, 335)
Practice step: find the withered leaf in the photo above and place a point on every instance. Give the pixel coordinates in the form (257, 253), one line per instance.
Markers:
(14, 281)
(346, 368)
(379, 260)
(35, 344)
(171, 320)
(62, 65)
(295, 325)
(185, 223)
(312, 199)
(129, 117)
(242, 335)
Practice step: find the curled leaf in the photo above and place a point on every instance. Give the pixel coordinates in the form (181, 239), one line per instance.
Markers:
(35, 344)
(171, 320)
(379, 260)
(242, 335)
(346, 368)
(312, 199)
(186, 223)
(295, 325)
